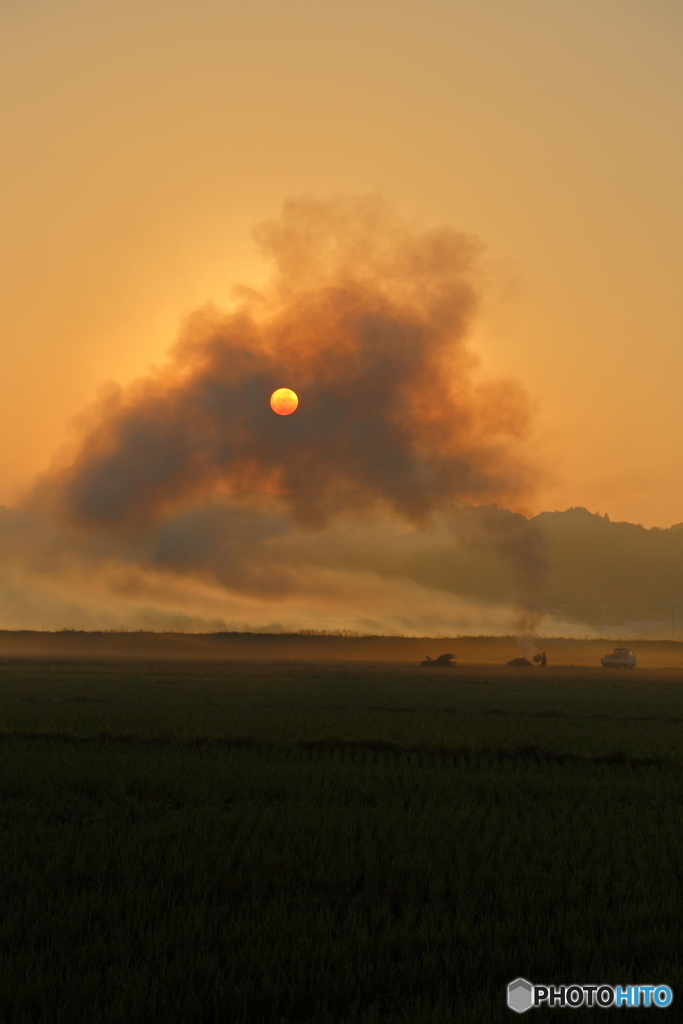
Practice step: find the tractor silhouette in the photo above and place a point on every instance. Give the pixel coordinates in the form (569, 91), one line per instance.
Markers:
(443, 661)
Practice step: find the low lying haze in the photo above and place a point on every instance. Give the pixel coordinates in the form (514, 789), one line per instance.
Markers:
(224, 566)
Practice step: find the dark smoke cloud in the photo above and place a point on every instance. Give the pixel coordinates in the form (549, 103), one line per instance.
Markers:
(367, 320)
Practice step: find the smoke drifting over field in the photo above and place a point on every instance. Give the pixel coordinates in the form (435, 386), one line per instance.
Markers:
(367, 321)
(221, 566)
(187, 483)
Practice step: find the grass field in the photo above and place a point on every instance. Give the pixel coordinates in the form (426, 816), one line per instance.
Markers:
(319, 842)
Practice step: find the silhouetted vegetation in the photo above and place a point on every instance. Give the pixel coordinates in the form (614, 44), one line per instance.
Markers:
(346, 844)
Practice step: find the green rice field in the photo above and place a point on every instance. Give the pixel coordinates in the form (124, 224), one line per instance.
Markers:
(209, 841)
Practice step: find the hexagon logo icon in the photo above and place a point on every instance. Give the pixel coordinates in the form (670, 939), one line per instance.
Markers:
(520, 995)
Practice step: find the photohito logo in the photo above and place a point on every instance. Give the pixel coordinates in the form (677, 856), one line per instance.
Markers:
(523, 996)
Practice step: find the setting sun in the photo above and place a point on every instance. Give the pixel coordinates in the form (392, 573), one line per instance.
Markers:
(284, 401)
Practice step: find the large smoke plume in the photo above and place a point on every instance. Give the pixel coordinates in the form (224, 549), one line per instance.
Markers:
(188, 473)
(367, 321)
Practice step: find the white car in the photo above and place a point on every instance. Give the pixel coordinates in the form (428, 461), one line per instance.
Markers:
(620, 657)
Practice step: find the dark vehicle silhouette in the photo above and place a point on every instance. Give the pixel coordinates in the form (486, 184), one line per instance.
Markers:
(443, 661)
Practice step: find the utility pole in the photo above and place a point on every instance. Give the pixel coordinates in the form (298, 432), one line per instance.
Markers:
(673, 621)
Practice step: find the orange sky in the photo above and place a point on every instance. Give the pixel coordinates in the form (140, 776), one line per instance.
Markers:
(142, 140)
